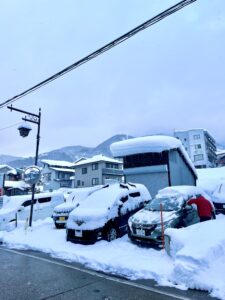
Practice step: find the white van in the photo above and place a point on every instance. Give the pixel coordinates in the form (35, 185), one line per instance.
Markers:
(18, 207)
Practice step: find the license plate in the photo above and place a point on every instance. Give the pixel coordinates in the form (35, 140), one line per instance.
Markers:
(140, 231)
(78, 233)
(61, 218)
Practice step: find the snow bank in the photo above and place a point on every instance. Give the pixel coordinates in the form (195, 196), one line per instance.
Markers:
(198, 252)
(209, 178)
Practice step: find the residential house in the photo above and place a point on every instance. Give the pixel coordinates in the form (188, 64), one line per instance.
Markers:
(200, 146)
(155, 161)
(57, 174)
(97, 170)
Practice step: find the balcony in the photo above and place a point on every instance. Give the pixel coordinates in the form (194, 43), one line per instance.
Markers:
(108, 171)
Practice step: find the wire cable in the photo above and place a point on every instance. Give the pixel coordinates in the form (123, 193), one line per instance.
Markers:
(13, 125)
(103, 49)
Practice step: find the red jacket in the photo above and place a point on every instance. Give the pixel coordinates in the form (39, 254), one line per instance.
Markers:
(204, 206)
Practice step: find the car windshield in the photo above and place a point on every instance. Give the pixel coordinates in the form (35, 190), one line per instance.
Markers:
(168, 204)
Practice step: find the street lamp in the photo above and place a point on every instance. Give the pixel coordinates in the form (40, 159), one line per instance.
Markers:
(24, 130)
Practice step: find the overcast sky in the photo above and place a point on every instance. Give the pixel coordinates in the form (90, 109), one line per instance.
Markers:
(169, 76)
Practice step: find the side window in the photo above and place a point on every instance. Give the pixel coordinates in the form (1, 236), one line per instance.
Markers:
(84, 170)
(44, 200)
(135, 194)
(28, 203)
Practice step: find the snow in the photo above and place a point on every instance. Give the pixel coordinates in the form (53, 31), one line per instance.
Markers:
(210, 178)
(97, 158)
(62, 169)
(16, 184)
(58, 163)
(74, 198)
(146, 144)
(219, 193)
(24, 125)
(103, 205)
(197, 252)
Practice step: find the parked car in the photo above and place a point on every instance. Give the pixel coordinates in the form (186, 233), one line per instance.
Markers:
(18, 207)
(218, 197)
(104, 214)
(168, 210)
(61, 212)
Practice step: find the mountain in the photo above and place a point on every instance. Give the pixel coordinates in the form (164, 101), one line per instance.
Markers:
(70, 153)
(4, 159)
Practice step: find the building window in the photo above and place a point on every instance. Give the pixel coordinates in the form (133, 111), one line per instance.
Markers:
(112, 166)
(95, 166)
(196, 136)
(84, 170)
(95, 181)
(78, 182)
(198, 146)
(198, 157)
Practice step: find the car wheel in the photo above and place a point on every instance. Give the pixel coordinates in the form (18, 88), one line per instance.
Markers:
(111, 234)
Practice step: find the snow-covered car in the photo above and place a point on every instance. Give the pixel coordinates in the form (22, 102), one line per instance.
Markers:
(105, 213)
(168, 209)
(218, 197)
(61, 212)
(18, 207)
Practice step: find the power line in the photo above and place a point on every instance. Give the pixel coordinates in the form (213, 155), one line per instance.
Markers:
(103, 49)
(13, 125)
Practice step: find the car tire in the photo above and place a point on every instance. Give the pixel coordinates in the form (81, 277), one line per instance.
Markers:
(111, 234)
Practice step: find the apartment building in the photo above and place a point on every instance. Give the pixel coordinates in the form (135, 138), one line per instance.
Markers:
(200, 146)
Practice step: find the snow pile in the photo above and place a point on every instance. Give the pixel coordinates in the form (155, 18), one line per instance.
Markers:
(219, 193)
(198, 252)
(104, 204)
(146, 144)
(209, 178)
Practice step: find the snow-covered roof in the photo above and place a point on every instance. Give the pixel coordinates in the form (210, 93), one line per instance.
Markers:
(147, 144)
(59, 163)
(13, 172)
(16, 184)
(97, 158)
(5, 166)
(62, 169)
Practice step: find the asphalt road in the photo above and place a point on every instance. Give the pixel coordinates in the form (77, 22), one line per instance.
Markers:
(34, 275)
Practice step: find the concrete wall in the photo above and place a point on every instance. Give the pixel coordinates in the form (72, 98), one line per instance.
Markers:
(153, 177)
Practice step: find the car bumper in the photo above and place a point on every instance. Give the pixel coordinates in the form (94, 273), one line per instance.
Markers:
(83, 236)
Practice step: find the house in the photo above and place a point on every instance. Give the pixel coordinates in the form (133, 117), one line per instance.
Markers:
(200, 146)
(57, 174)
(155, 161)
(97, 170)
(220, 161)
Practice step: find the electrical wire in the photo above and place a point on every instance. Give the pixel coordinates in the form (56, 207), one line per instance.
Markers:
(101, 50)
(13, 125)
